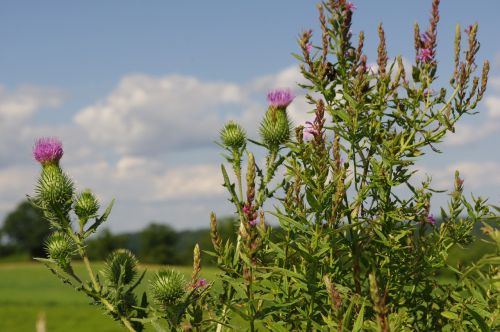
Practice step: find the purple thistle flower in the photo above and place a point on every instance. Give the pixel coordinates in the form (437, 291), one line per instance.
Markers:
(280, 98)
(431, 220)
(200, 283)
(48, 149)
(425, 55)
(425, 38)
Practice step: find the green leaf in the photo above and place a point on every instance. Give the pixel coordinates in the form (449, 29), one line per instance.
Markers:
(449, 315)
(358, 324)
(477, 317)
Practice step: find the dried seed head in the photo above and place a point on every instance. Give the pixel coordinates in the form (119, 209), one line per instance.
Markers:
(214, 233)
(382, 51)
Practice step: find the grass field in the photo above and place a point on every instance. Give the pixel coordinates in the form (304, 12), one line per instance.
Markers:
(29, 289)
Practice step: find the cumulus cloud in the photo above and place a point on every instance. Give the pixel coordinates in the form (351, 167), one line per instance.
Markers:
(17, 110)
(477, 174)
(148, 115)
(145, 121)
(468, 133)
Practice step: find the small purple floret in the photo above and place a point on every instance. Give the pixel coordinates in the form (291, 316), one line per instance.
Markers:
(48, 149)
(200, 283)
(280, 97)
(425, 55)
(309, 131)
(431, 220)
(350, 6)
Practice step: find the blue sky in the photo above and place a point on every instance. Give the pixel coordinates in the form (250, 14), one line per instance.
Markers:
(138, 90)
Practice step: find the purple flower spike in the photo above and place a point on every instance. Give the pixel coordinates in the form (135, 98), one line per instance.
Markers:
(309, 132)
(350, 6)
(280, 98)
(48, 149)
(431, 220)
(200, 283)
(425, 55)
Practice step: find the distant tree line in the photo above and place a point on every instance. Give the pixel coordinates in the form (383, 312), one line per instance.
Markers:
(24, 231)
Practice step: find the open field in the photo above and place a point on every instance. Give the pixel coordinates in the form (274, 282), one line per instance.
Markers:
(29, 289)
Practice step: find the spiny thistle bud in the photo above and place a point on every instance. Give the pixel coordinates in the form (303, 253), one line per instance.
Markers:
(275, 127)
(60, 248)
(121, 267)
(86, 206)
(167, 287)
(55, 189)
(48, 150)
(233, 135)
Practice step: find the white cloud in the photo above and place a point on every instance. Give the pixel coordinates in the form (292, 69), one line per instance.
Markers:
(493, 105)
(494, 83)
(144, 121)
(147, 115)
(467, 133)
(497, 60)
(477, 174)
(17, 110)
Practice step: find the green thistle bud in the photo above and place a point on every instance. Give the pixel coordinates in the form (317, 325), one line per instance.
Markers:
(55, 189)
(275, 128)
(60, 248)
(121, 267)
(233, 135)
(86, 206)
(167, 287)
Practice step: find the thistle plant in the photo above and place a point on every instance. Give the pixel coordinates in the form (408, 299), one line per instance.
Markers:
(354, 245)
(357, 247)
(113, 288)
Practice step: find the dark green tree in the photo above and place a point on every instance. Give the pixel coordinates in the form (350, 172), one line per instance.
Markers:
(26, 229)
(105, 243)
(158, 244)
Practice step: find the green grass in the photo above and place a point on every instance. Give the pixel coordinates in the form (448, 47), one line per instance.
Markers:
(29, 289)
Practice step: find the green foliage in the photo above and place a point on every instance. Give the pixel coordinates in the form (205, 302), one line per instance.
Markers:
(25, 229)
(352, 253)
(157, 244)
